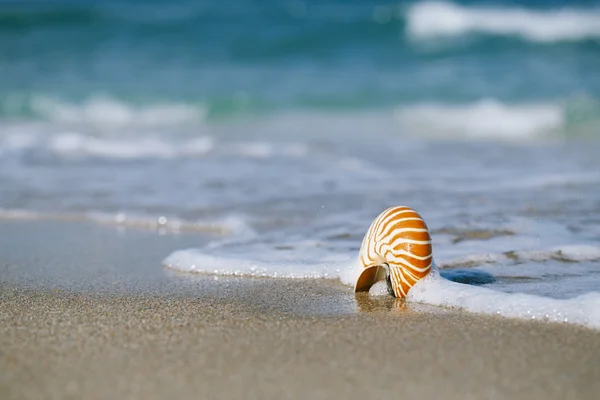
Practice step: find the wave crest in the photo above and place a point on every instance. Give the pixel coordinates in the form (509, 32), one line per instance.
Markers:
(431, 19)
(104, 112)
(126, 130)
(492, 119)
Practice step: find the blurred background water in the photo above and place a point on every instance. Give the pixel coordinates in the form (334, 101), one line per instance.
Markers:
(121, 64)
(291, 124)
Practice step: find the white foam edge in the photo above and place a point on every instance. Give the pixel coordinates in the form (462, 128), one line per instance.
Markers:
(434, 290)
(195, 260)
(347, 269)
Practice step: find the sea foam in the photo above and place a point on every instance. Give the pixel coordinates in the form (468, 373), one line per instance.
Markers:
(430, 19)
(581, 310)
(195, 260)
(434, 289)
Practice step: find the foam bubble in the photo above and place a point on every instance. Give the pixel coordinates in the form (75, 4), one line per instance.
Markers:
(436, 18)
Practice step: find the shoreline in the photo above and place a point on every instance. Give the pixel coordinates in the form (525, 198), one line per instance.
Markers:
(88, 312)
(93, 259)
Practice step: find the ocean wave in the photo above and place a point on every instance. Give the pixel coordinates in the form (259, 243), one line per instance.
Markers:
(121, 130)
(103, 112)
(429, 19)
(72, 144)
(490, 118)
(78, 145)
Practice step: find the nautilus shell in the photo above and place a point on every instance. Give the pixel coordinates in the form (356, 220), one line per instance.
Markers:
(397, 248)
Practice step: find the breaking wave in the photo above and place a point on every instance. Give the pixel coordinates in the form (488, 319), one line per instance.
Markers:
(490, 118)
(430, 19)
(77, 145)
(109, 128)
(102, 112)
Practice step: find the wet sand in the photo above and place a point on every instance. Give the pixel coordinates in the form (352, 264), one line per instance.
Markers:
(115, 325)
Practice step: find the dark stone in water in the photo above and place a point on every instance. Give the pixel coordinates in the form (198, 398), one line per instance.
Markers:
(468, 276)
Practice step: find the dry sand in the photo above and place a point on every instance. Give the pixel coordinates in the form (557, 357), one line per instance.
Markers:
(172, 336)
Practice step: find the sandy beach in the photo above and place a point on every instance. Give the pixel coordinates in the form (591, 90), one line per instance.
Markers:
(183, 336)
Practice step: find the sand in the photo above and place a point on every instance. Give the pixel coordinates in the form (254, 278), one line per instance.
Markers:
(92, 329)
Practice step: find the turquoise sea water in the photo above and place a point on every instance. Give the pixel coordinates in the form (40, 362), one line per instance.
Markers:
(263, 56)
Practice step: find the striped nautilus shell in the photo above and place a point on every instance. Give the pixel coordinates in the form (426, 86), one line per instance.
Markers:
(397, 248)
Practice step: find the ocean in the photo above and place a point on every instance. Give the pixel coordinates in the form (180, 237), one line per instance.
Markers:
(276, 131)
